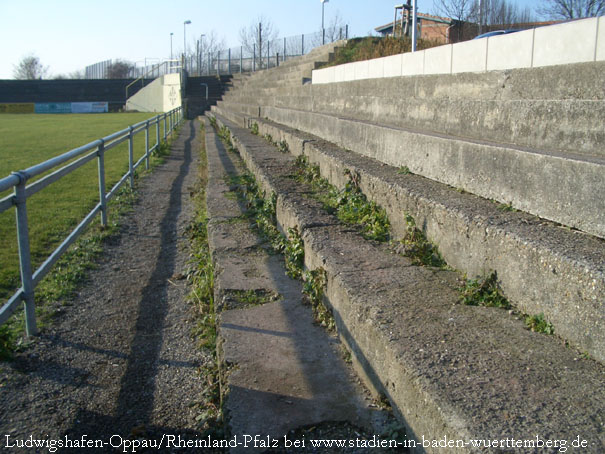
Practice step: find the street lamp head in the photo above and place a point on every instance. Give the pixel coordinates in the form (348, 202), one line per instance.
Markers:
(187, 22)
(325, 1)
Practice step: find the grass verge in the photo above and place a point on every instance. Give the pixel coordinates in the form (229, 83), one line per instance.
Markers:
(200, 276)
(69, 273)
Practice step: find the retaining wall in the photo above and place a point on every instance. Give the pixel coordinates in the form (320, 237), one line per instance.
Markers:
(570, 42)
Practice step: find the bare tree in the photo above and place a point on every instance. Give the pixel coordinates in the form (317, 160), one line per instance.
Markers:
(335, 29)
(118, 69)
(259, 38)
(572, 9)
(72, 75)
(206, 46)
(458, 10)
(30, 68)
(499, 12)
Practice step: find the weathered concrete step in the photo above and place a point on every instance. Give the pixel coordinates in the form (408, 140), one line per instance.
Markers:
(563, 187)
(451, 370)
(542, 268)
(566, 189)
(280, 370)
(573, 126)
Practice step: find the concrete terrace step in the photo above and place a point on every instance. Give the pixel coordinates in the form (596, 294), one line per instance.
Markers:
(568, 189)
(280, 371)
(450, 370)
(570, 126)
(499, 105)
(475, 236)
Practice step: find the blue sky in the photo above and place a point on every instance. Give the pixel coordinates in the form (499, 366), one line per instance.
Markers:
(67, 35)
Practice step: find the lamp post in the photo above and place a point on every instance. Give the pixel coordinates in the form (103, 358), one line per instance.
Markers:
(171, 34)
(187, 22)
(200, 52)
(414, 26)
(323, 30)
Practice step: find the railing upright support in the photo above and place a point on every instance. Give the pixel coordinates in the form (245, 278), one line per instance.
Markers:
(165, 133)
(131, 156)
(25, 256)
(102, 195)
(147, 145)
(157, 135)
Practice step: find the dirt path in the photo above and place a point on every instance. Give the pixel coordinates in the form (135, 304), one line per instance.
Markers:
(119, 364)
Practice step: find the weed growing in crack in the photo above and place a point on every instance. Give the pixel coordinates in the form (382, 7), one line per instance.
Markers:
(283, 146)
(200, 275)
(483, 292)
(538, 324)
(506, 207)
(245, 298)
(349, 204)
(415, 246)
(294, 254)
(254, 129)
(314, 283)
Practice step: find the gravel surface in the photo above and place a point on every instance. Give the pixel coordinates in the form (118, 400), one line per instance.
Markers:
(119, 365)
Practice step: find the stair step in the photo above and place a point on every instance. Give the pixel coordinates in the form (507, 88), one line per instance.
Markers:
(462, 372)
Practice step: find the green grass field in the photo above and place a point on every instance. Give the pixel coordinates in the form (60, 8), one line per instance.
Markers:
(26, 140)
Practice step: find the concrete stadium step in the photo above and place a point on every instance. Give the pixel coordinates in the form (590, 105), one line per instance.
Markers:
(499, 106)
(561, 187)
(462, 372)
(477, 237)
(279, 370)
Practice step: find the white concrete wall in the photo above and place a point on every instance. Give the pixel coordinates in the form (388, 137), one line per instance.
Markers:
(572, 42)
(161, 95)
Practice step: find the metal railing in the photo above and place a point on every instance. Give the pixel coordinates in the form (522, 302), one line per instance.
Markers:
(84, 154)
(251, 58)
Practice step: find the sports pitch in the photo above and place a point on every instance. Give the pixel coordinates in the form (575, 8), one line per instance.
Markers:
(29, 139)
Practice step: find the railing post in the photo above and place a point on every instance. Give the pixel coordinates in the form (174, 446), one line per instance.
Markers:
(102, 196)
(241, 58)
(285, 52)
(157, 134)
(25, 256)
(229, 62)
(147, 145)
(302, 40)
(253, 57)
(131, 156)
(165, 133)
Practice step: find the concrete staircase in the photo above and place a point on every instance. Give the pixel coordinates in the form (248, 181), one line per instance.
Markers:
(504, 172)
(195, 93)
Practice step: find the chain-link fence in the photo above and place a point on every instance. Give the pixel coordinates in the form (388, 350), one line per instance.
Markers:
(108, 69)
(257, 56)
(245, 58)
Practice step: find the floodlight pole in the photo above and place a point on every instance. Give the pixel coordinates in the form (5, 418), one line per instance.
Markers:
(187, 22)
(323, 30)
(171, 45)
(414, 26)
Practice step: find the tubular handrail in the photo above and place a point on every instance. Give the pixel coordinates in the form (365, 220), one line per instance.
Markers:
(84, 154)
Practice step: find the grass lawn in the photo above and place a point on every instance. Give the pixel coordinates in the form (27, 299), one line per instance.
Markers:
(26, 140)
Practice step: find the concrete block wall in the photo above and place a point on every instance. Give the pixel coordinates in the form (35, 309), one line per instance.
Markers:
(571, 42)
(162, 95)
